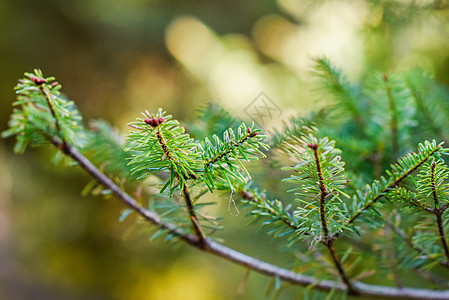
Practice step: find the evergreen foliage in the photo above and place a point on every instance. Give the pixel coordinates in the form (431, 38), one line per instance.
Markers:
(372, 125)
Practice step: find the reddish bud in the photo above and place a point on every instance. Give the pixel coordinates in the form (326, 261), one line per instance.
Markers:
(313, 146)
(38, 80)
(253, 134)
(248, 130)
(161, 120)
(152, 122)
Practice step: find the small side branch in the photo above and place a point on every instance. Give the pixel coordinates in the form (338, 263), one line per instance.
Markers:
(339, 266)
(196, 225)
(410, 243)
(324, 193)
(442, 235)
(328, 241)
(49, 99)
(390, 186)
(437, 211)
(247, 195)
(233, 146)
(185, 191)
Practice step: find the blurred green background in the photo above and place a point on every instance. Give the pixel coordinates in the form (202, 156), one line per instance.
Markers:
(116, 58)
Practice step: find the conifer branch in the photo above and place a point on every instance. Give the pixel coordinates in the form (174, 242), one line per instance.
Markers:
(230, 148)
(49, 98)
(442, 235)
(161, 145)
(193, 218)
(336, 83)
(328, 242)
(266, 206)
(438, 212)
(324, 193)
(185, 190)
(361, 289)
(344, 277)
(393, 182)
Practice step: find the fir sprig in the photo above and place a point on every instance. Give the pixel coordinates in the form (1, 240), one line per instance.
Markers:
(280, 218)
(42, 113)
(405, 166)
(348, 100)
(319, 177)
(431, 196)
(161, 144)
(222, 158)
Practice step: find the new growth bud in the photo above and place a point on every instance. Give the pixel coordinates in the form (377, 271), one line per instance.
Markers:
(154, 122)
(251, 133)
(38, 80)
(313, 146)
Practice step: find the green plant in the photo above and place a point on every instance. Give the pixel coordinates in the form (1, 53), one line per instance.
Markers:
(338, 222)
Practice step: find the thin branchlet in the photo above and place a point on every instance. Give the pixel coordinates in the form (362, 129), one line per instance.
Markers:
(410, 242)
(262, 205)
(234, 145)
(328, 242)
(185, 190)
(438, 212)
(324, 193)
(49, 98)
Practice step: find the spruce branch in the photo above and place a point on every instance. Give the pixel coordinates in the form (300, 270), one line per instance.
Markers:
(160, 144)
(40, 111)
(345, 94)
(361, 289)
(404, 168)
(319, 180)
(324, 194)
(272, 208)
(222, 158)
(193, 218)
(400, 233)
(48, 96)
(438, 211)
(159, 129)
